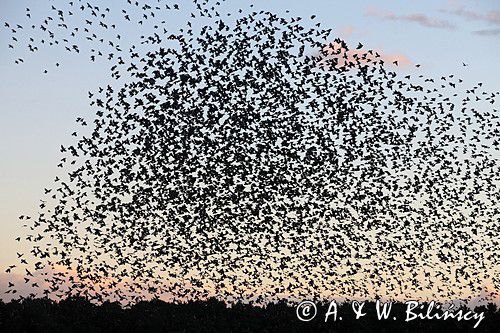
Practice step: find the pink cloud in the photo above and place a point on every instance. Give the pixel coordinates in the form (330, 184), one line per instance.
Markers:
(492, 16)
(418, 18)
(346, 56)
(346, 31)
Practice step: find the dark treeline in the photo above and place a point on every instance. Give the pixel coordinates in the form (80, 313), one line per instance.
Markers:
(80, 315)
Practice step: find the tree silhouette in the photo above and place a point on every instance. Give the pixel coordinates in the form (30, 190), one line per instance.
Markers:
(80, 315)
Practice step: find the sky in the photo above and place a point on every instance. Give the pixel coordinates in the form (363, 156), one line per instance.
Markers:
(38, 111)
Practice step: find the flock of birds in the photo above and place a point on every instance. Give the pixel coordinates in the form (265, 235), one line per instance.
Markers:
(253, 158)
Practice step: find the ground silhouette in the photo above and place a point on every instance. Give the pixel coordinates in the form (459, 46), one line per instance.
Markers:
(80, 315)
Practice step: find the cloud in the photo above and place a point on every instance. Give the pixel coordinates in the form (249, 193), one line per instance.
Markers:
(492, 16)
(363, 56)
(400, 58)
(347, 31)
(488, 32)
(420, 19)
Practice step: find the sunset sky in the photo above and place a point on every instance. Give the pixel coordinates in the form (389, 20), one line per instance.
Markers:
(38, 111)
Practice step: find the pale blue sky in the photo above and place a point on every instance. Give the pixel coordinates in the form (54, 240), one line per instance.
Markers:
(37, 111)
